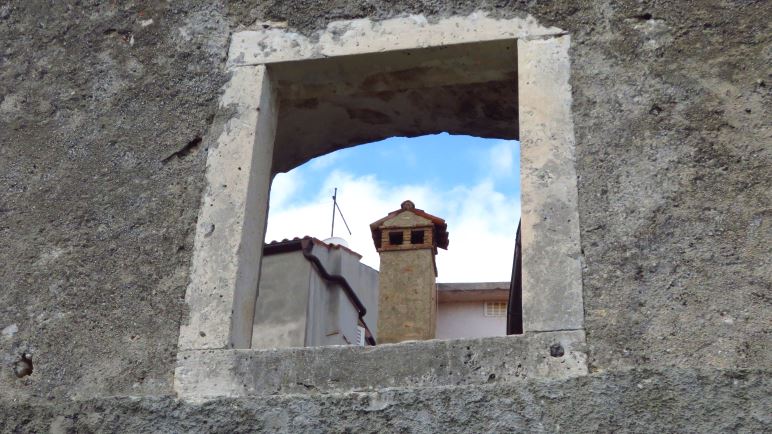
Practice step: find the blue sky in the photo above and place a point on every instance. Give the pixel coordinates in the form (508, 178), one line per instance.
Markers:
(472, 183)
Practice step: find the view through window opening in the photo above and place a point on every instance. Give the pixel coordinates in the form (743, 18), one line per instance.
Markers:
(472, 183)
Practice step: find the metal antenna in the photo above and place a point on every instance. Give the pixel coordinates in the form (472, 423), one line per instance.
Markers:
(334, 207)
(344, 218)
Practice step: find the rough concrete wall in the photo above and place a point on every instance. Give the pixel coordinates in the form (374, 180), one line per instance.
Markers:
(683, 401)
(101, 172)
(283, 297)
(104, 122)
(672, 109)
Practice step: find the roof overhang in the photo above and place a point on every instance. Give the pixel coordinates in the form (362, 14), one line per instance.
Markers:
(478, 291)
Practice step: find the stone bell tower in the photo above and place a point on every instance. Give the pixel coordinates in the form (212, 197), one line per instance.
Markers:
(407, 240)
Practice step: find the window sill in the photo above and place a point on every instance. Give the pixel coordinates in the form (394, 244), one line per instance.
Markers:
(208, 374)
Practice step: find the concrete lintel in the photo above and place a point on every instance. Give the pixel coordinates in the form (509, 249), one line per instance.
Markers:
(207, 374)
(447, 65)
(231, 222)
(552, 276)
(360, 36)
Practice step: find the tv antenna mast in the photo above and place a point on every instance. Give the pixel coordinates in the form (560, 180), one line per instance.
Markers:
(336, 207)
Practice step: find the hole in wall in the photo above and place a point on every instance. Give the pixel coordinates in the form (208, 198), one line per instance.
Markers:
(23, 366)
(643, 17)
(556, 350)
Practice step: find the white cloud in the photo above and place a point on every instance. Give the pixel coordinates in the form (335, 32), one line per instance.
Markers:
(501, 159)
(284, 186)
(324, 161)
(481, 221)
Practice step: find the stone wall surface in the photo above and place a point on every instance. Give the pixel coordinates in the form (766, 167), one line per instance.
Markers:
(104, 122)
(106, 113)
(683, 401)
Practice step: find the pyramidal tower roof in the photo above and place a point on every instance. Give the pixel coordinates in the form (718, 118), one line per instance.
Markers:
(391, 220)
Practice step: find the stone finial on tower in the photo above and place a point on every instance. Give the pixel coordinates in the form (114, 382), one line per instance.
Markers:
(407, 240)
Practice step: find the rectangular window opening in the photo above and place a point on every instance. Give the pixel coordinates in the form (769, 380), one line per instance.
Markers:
(417, 237)
(396, 238)
(513, 75)
(495, 308)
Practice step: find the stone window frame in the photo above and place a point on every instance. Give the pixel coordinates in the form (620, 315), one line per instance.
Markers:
(214, 358)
